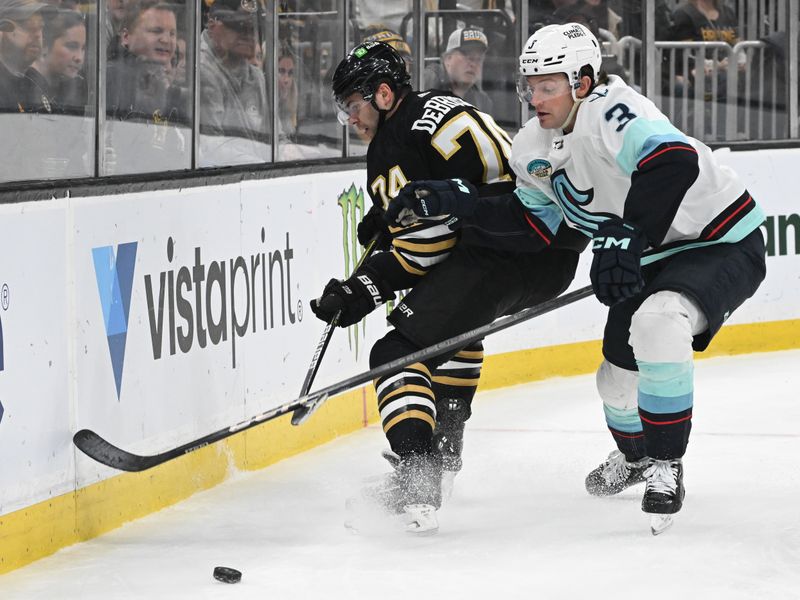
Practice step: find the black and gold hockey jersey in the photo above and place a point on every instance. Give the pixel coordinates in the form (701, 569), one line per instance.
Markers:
(432, 135)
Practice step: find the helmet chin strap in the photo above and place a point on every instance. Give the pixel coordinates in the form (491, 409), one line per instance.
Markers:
(572, 112)
(382, 112)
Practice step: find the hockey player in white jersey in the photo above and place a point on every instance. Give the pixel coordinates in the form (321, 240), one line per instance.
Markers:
(675, 236)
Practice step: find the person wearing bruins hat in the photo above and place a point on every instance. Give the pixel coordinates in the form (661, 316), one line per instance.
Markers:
(461, 69)
(21, 26)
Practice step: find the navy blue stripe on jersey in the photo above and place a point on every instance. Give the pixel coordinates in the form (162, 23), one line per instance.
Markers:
(729, 217)
(662, 148)
(735, 223)
(658, 186)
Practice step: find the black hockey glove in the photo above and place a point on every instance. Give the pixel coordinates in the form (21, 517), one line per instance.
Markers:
(616, 271)
(356, 297)
(422, 199)
(373, 224)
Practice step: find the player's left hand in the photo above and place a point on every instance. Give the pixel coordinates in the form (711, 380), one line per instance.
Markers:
(355, 297)
(432, 198)
(616, 271)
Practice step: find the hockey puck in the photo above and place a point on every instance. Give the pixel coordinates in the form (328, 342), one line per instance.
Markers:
(227, 575)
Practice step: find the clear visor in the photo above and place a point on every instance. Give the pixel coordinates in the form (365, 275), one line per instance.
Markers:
(542, 87)
(347, 108)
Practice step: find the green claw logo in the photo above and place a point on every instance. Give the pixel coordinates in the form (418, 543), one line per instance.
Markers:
(351, 201)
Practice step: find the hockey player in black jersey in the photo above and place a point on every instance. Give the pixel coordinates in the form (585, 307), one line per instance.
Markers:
(454, 288)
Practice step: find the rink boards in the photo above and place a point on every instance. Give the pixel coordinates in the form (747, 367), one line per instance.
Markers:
(157, 317)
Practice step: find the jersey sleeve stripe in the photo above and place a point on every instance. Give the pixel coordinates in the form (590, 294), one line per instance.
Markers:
(417, 247)
(653, 155)
(405, 264)
(747, 201)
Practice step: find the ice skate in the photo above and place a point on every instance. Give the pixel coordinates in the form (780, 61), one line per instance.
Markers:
(615, 475)
(411, 493)
(663, 496)
(448, 439)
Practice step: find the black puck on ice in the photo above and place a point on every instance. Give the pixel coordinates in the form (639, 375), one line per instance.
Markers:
(227, 575)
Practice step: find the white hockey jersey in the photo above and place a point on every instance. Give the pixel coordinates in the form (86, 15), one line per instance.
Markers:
(591, 175)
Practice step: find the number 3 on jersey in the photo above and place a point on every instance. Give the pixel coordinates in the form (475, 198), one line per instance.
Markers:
(622, 113)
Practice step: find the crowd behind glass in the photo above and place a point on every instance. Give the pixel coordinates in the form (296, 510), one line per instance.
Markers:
(145, 86)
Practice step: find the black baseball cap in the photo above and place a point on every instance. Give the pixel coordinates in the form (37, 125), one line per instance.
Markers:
(236, 13)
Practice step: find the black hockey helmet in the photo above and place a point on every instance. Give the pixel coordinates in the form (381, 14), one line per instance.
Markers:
(367, 66)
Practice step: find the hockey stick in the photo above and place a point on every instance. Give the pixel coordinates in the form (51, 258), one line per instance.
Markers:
(104, 452)
(327, 334)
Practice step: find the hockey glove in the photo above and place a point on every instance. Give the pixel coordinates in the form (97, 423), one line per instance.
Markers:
(373, 224)
(356, 297)
(616, 271)
(423, 199)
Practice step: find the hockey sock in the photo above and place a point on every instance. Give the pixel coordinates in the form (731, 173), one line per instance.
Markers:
(666, 393)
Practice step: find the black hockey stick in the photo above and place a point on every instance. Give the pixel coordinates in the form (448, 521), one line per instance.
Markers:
(104, 452)
(327, 334)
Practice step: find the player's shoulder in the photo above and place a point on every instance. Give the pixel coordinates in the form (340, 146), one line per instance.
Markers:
(426, 111)
(606, 96)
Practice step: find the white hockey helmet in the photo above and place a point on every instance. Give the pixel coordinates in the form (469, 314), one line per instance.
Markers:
(561, 49)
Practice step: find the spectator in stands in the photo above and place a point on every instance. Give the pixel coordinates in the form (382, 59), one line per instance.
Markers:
(704, 21)
(21, 25)
(233, 92)
(461, 69)
(380, 33)
(601, 16)
(138, 81)
(287, 94)
(58, 85)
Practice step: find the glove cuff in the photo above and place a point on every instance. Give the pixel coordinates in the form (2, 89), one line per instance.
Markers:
(615, 233)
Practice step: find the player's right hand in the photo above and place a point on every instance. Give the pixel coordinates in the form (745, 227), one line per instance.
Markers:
(373, 226)
(432, 198)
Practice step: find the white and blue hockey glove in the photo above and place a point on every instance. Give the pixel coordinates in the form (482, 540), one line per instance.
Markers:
(433, 198)
(616, 271)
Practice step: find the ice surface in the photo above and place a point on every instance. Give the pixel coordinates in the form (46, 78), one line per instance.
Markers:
(519, 524)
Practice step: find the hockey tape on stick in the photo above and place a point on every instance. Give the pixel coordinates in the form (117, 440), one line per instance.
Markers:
(99, 449)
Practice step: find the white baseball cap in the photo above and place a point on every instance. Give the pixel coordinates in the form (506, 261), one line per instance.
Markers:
(466, 37)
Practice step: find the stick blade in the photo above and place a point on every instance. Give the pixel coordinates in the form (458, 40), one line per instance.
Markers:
(302, 413)
(103, 451)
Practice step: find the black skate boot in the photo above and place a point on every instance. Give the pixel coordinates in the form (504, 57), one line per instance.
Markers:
(663, 496)
(615, 474)
(448, 439)
(413, 490)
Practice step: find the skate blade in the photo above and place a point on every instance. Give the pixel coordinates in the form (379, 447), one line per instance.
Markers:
(660, 523)
(420, 519)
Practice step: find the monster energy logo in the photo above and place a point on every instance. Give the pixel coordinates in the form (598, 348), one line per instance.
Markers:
(351, 202)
